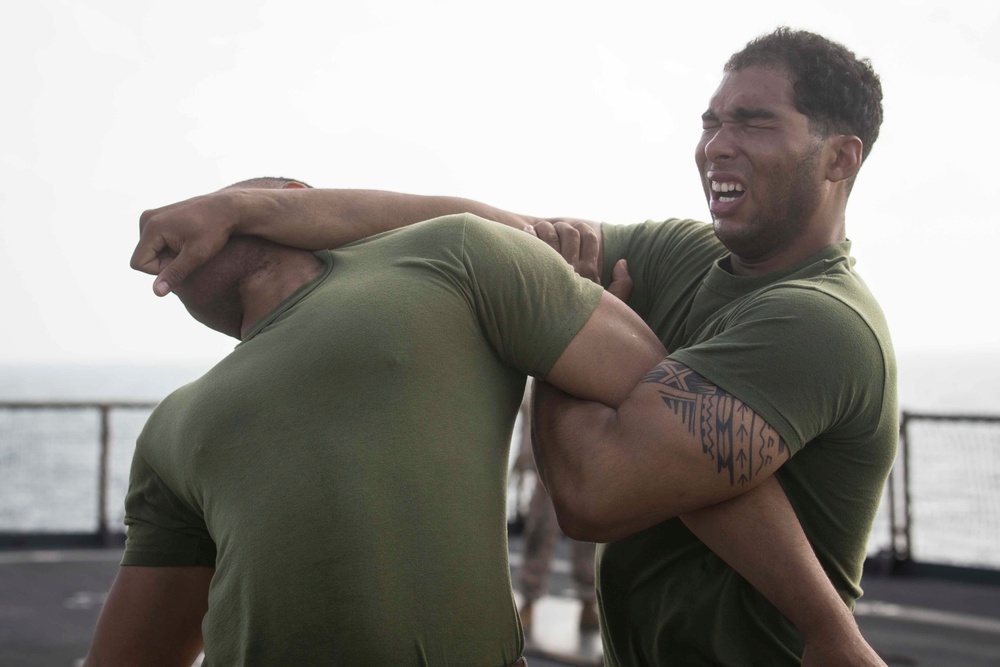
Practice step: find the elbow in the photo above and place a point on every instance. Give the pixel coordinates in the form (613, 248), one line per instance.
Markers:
(582, 529)
(584, 518)
(601, 515)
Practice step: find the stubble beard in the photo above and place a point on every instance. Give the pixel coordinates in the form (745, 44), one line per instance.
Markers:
(784, 219)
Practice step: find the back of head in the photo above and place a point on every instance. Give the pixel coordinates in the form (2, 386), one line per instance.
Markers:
(214, 294)
(269, 183)
(837, 91)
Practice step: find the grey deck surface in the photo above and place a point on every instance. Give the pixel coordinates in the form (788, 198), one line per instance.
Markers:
(49, 601)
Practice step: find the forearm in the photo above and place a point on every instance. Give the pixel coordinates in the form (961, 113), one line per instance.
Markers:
(559, 465)
(315, 219)
(176, 239)
(575, 410)
(577, 457)
(759, 535)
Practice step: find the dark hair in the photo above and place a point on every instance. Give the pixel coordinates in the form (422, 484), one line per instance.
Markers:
(837, 91)
(268, 182)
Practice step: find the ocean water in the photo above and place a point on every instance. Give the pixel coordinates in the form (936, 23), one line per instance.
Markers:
(49, 458)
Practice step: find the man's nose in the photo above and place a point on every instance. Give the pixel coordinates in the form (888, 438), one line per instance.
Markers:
(721, 144)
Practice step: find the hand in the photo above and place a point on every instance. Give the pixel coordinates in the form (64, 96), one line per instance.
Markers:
(577, 241)
(621, 281)
(177, 239)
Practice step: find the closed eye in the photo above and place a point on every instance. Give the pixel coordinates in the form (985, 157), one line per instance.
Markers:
(759, 118)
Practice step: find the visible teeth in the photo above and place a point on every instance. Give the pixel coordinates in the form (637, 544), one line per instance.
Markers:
(726, 187)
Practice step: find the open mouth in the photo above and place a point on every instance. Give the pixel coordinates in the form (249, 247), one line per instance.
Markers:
(726, 192)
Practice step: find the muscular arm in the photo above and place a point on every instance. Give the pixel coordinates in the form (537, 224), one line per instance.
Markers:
(759, 535)
(612, 472)
(756, 532)
(676, 444)
(152, 617)
(608, 356)
(176, 239)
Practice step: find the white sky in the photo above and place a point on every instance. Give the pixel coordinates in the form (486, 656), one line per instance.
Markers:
(550, 108)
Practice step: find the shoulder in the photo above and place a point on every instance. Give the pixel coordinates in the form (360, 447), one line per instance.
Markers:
(658, 251)
(673, 232)
(459, 223)
(174, 409)
(818, 332)
(812, 308)
(837, 303)
(442, 239)
(454, 231)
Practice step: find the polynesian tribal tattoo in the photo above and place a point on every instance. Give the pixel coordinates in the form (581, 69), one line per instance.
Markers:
(731, 434)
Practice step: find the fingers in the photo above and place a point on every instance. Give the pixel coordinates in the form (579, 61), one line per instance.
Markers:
(174, 271)
(146, 256)
(578, 244)
(546, 231)
(177, 239)
(162, 256)
(621, 282)
(590, 247)
(569, 243)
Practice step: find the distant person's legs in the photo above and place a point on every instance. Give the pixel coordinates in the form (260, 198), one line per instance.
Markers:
(541, 533)
(583, 577)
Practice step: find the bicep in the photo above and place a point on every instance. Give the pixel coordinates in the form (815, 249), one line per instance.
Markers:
(152, 616)
(693, 444)
(608, 356)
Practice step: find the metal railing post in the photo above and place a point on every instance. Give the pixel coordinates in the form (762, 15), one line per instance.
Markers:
(893, 528)
(103, 533)
(907, 553)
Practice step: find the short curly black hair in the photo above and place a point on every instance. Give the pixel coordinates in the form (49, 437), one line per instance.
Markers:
(837, 91)
(267, 182)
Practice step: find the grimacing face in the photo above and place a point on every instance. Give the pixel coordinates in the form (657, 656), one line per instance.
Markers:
(759, 164)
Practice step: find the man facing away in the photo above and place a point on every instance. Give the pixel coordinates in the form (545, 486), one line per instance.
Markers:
(334, 490)
(780, 362)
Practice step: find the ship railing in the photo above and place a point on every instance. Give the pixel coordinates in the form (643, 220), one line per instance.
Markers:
(64, 472)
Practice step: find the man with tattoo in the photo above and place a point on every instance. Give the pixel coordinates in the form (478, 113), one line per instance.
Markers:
(780, 373)
(780, 365)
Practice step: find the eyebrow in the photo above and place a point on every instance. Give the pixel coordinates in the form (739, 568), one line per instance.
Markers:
(742, 114)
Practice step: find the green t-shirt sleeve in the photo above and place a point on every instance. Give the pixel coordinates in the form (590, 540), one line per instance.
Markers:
(658, 252)
(161, 530)
(802, 360)
(528, 301)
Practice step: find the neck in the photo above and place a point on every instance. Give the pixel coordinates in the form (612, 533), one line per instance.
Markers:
(287, 269)
(815, 237)
(780, 261)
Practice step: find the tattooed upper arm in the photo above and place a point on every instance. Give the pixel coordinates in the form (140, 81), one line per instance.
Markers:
(677, 443)
(739, 443)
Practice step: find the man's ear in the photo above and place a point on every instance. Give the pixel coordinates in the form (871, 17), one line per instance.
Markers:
(846, 157)
(294, 184)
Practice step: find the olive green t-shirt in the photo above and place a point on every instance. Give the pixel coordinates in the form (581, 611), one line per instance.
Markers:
(344, 468)
(808, 349)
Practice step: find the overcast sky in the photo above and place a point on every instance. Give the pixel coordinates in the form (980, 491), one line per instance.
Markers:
(590, 109)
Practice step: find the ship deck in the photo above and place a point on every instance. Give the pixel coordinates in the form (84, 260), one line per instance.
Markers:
(50, 599)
